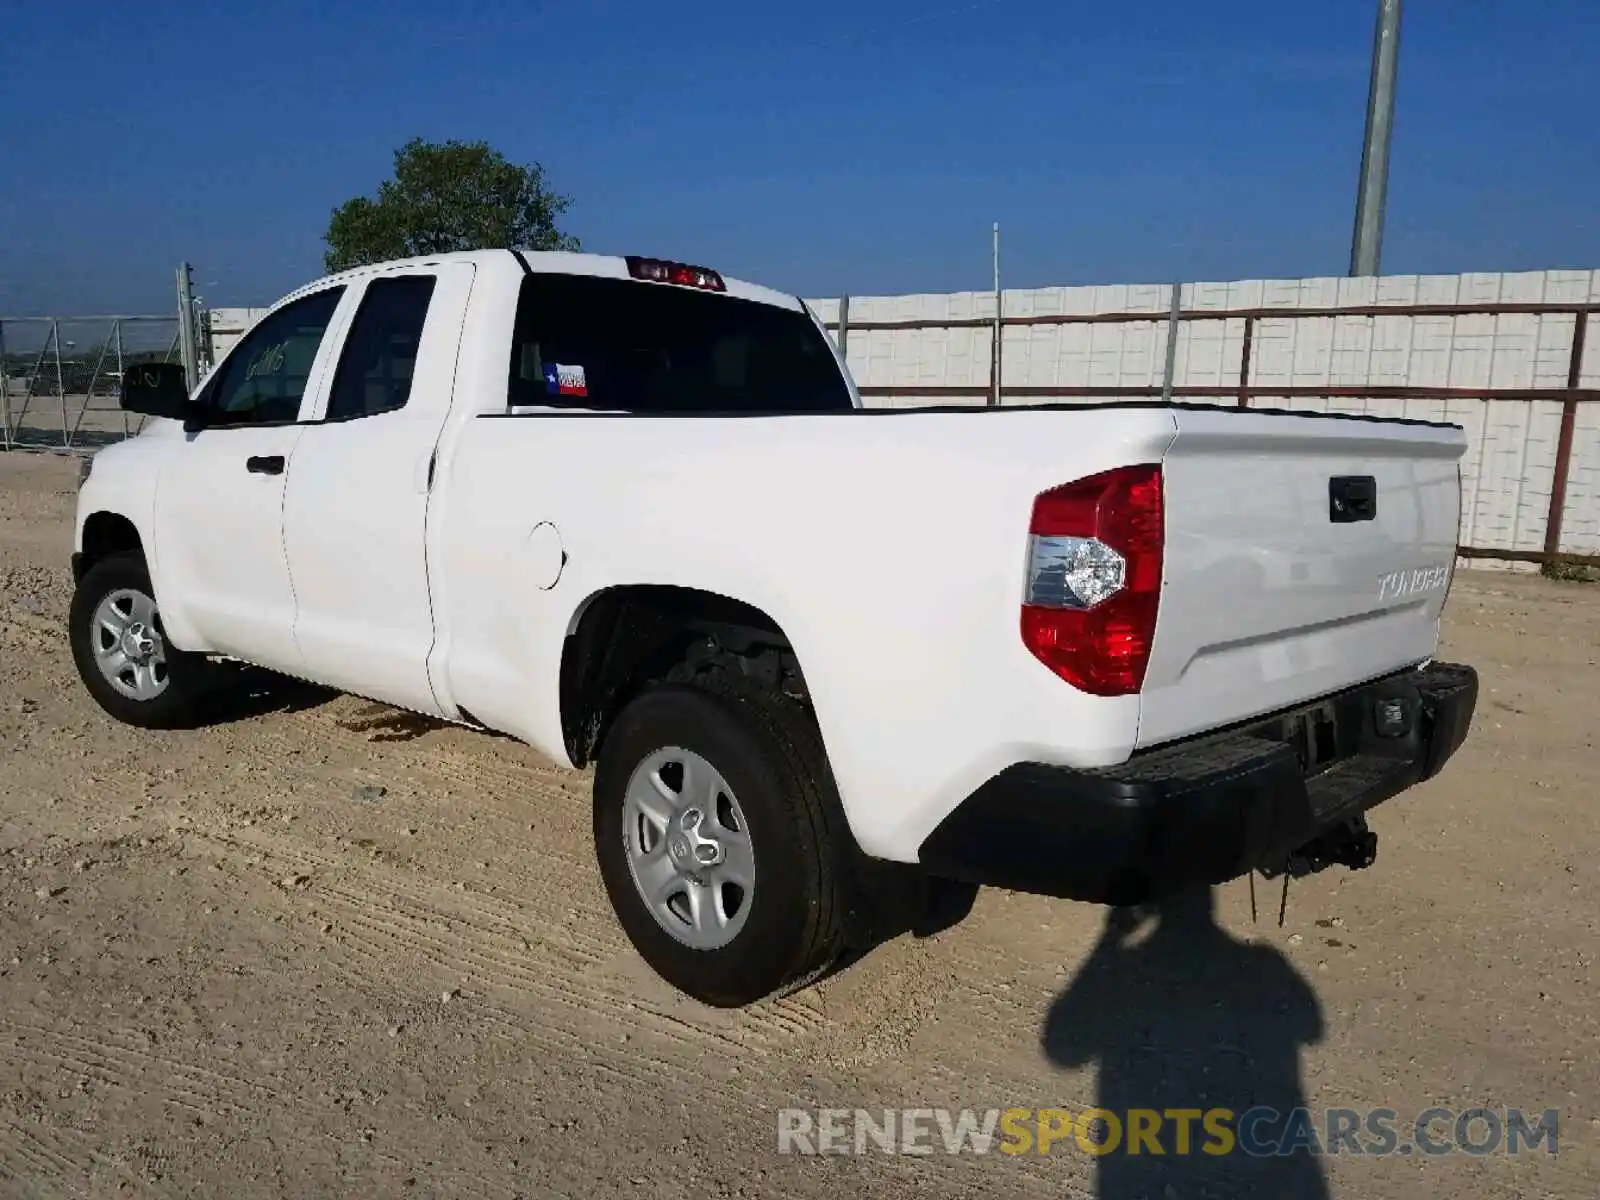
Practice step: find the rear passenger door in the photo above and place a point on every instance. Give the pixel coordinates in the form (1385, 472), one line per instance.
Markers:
(356, 510)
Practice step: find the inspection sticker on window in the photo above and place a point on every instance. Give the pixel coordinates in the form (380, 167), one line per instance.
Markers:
(562, 379)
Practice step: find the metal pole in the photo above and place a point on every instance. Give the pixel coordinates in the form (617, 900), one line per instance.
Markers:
(1172, 343)
(999, 343)
(844, 329)
(191, 361)
(122, 372)
(33, 381)
(1372, 192)
(1569, 420)
(5, 394)
(202, 324)
(94, 380)
(1244, 362)
(61, 386)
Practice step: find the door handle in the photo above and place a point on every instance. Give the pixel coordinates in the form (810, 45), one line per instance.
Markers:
(264, 464)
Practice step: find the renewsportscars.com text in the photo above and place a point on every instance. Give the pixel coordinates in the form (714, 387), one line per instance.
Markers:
(1258, 1132)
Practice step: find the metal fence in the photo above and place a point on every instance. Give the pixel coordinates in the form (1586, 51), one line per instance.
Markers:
(1247, 388)
(1509, 357)
(60, 376)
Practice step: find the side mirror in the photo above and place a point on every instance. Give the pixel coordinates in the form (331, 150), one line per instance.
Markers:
(156, 390)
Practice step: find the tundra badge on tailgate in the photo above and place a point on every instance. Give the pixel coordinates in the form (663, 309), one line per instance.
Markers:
(1398, 585)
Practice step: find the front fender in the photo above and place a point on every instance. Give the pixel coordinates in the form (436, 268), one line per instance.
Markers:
(122, 480)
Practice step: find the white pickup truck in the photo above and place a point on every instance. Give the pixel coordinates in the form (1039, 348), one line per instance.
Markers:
(634, 514)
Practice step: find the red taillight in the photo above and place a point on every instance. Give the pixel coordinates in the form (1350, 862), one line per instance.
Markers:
(660, 270)
(1094, 579)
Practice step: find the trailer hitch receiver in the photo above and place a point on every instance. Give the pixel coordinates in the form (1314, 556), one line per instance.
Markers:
(1348, 844)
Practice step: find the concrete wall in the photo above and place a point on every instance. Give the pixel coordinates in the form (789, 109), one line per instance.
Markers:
(228, 325)
(1510, 461)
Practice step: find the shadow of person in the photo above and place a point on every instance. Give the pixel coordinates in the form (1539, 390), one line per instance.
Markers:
(1179, 1015)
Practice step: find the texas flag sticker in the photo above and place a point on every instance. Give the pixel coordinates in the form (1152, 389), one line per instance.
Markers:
(561, 379)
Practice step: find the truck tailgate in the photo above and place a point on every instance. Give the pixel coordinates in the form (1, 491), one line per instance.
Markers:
(1303, 554)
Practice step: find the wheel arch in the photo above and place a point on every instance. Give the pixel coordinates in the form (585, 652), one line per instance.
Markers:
(623, 637)
(105, 533)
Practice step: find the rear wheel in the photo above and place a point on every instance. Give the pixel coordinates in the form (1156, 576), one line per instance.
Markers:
(120, 648)
(713, 833)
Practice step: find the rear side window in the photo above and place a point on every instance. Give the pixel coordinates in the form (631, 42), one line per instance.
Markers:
(623, 346)
(380, 354)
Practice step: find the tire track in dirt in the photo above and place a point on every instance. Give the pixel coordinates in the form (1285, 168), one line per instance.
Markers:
(38, 1160)
(363, 884)
(583, 947)
(48, 1153)
(557, 980)
(461, 934)
(541, 808)
(570, 962)
(583, 952)
(104, 1060)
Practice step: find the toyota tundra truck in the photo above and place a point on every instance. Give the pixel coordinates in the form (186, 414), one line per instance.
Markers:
(634, 514)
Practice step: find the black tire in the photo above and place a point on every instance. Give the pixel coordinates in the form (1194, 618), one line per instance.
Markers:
(188, 675)
(767, 750)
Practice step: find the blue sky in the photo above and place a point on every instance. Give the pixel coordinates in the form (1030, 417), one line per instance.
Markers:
(825, 147)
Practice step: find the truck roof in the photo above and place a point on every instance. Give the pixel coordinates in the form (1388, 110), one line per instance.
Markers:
(555, 262)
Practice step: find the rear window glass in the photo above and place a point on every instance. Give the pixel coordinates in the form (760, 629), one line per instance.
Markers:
(380, 353)
(623, 346)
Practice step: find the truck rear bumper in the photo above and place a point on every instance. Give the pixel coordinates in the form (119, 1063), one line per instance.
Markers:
(1210, 808)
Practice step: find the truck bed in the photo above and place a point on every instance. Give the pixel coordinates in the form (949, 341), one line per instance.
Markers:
(890, 547)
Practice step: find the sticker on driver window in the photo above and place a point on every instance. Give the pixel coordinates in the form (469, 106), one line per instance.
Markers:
(564, 379)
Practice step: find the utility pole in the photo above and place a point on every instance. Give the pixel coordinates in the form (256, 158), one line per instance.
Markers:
(1372, 192)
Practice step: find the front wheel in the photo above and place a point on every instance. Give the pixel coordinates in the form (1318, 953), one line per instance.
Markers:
(121, 650)
(714, 837)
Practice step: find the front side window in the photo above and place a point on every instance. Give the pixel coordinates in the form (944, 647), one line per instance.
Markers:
(380, 354)
(263, 380)
(624, 346)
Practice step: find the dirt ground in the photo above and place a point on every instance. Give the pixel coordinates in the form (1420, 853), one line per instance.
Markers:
(321, 948)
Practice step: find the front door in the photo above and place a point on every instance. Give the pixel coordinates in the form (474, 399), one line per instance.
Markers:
(219, 498)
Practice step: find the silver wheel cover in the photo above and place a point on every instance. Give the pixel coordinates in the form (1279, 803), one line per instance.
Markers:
(129, 645)
(688, 848)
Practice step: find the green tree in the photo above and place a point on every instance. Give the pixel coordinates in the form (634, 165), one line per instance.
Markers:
(448, 196)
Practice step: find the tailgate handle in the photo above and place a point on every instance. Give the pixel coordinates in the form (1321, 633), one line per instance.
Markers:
(1352, 498)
